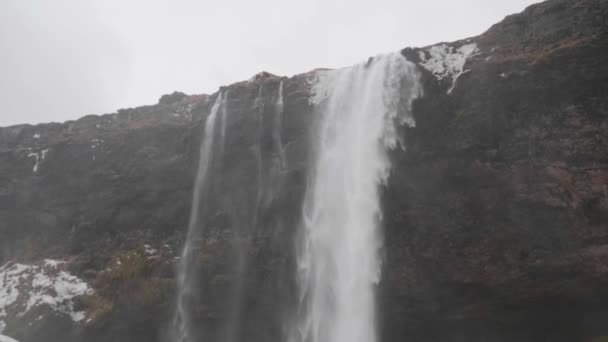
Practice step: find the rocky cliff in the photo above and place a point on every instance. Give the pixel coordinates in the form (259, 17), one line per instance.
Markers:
(495, 213)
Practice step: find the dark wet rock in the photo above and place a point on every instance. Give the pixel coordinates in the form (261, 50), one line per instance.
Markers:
(496, 215)
(175, 96)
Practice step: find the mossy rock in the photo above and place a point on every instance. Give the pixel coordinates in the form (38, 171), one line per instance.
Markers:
(129, 281)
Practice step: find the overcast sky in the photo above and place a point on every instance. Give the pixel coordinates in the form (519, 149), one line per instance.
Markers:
(63, 59)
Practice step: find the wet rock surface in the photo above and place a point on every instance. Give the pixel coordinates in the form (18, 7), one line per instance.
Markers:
(495, 214)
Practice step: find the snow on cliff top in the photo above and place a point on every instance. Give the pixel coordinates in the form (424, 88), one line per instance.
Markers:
(445, 61)
(23, 287)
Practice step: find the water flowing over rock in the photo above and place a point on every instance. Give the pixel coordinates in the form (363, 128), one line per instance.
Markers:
(339, 262)
(187, 274)
(278, 122)
(460, 196)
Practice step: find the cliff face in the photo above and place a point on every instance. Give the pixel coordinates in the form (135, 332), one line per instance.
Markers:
(495, 214)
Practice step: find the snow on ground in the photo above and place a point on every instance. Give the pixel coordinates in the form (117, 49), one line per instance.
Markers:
(4, 338)
(445, 61)
(24, 287)
(151, 253)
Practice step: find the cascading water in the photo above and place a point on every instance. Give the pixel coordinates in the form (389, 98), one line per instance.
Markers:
(224, 115)
(186, 272)
(338, 260)
(245, 218)
(278, 122)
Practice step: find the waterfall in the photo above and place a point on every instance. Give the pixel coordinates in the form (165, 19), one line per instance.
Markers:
(338, 256)
(186, 272)
(224, 114)
(245, 217)
(278, 122)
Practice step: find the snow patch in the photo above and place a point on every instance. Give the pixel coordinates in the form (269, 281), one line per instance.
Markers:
(40, 156)
(95, 143)
(151, 253)
(4, 338)
(24, 287)
(446, 62)
(183, 111)
(53, 263)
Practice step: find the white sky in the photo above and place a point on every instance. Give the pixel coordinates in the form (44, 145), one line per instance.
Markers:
(63, 59)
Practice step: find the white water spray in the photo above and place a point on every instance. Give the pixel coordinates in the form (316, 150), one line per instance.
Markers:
(186, 284)
(338, 261)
